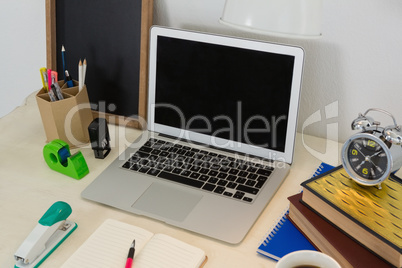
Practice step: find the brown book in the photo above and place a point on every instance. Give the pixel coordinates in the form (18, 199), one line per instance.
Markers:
(329, 240)
(370, 215)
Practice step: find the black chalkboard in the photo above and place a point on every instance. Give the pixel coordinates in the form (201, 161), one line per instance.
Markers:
(112, 35)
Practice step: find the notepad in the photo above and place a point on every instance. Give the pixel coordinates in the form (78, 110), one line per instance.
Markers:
(109, 244)
(284, 237)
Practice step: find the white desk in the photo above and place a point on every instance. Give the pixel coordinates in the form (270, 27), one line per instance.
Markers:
(28, 187)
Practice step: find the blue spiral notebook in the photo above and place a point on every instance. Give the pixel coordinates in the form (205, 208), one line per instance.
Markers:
(284, 237)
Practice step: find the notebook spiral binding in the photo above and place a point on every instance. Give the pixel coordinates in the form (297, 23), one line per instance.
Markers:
(275, 227)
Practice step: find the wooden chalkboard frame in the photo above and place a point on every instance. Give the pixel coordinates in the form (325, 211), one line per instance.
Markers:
(146, 23)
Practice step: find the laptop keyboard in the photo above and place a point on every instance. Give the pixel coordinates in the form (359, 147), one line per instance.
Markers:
(208, 171)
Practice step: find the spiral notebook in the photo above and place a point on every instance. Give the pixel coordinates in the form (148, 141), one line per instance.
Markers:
(284, 237)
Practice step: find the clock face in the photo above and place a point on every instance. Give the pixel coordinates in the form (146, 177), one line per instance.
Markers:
(367, 158)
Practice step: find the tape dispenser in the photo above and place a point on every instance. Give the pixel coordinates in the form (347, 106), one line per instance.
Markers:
(57, 156)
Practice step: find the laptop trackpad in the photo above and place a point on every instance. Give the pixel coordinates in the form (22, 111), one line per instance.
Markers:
(166, 201)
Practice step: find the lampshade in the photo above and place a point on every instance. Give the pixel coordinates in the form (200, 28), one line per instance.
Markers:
(290, 18)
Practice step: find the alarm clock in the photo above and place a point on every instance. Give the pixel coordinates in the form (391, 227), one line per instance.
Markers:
(371, 155)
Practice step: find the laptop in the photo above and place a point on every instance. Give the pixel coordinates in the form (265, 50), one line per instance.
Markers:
(220, 134)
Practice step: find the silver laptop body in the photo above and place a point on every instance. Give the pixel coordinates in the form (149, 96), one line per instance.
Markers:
(223, 99)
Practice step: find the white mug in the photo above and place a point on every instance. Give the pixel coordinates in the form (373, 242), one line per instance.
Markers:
(307, 258)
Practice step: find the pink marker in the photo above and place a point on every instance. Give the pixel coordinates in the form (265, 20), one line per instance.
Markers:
(49, 78)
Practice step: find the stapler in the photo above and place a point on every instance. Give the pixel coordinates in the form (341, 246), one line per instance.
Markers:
(51, 230)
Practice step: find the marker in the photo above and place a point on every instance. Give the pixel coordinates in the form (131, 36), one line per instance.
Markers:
(80, 82)
(130, 255)
(63, 51)
(54, 77)
(43, 75)
(68, 79)
(49, 78)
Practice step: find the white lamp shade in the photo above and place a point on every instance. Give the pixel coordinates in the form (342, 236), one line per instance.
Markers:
(292, 18)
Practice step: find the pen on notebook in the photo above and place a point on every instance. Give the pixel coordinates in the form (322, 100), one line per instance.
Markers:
(63, 52)
(80, 83)
(130, 256)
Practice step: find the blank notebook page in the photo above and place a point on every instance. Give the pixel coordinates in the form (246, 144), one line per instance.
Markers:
(108, 246)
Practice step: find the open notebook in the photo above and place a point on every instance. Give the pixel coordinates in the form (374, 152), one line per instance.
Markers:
(109, 244)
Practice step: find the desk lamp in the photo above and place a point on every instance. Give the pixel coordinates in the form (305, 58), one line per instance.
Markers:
(285, 18)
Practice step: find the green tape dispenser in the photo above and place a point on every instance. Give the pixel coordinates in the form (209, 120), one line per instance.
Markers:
(57, 156)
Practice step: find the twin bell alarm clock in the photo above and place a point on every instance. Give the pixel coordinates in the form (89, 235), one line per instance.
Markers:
(371, 155)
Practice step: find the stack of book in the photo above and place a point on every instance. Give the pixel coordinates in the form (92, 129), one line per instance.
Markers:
(359, 226)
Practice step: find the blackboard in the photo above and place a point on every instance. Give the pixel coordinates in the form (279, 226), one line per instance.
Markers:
(112, 35)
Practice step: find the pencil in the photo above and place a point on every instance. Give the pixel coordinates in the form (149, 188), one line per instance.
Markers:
(84, 71)
(80, 83)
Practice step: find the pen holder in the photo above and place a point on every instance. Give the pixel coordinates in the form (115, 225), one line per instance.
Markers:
(67, 119)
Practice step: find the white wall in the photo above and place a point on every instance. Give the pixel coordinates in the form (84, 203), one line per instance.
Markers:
(22, 50)
(354, 66)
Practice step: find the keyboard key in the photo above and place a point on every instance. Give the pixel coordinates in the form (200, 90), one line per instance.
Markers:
(213, 180)
(222, 182)
(177, 170)
(208, 187)
(247, 199)
(145, 149)
(203, 177)
(264, 172)
(221, 175)
(219, 189)
(127, 165)
(212, 173)
(180, 179)
(250, 182)
(247, 189)
(241, 180)
(194, 175)
(252, 176)
(238, 195)
(231, 185)
(186, 173)
(231, 177)
(153, 172)
(144, 169)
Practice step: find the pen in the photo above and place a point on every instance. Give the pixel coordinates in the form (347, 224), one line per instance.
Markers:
(130, 256)
(63, 51)
(68, 79)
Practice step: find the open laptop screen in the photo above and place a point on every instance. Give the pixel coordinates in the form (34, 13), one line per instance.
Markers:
(229, 94)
